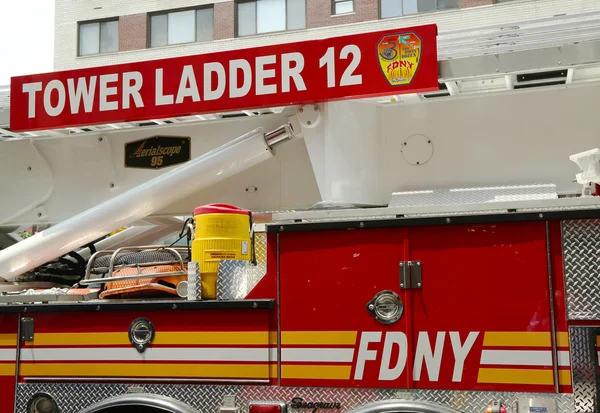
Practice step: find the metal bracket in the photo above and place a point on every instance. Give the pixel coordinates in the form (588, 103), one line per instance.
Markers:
(229, 405)
(27, 327)
(410, 275)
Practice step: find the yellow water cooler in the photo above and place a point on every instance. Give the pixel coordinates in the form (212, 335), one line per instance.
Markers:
(222, 233)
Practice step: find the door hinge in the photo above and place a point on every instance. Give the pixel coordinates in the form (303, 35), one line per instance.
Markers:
(27, 328)
(410, 275)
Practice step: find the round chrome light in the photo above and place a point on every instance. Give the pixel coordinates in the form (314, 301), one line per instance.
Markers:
(42, 403)
(386, 307)
(141, 334)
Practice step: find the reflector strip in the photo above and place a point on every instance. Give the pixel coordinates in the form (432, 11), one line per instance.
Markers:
(523, 358)
(162, 338)
(8, 354)
(315, 372)
(322, 355)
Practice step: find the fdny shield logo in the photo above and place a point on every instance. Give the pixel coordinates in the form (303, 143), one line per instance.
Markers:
(399, 56)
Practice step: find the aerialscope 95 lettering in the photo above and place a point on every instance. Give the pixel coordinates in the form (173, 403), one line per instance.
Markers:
(381, 63)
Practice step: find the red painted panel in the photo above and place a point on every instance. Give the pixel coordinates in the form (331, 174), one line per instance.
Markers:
(484, 300)
(480, 279)
(327, 279)
(389, 62)
(220, 345)
(8, 355)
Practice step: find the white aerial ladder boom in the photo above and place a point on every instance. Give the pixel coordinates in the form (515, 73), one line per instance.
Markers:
(136, 204)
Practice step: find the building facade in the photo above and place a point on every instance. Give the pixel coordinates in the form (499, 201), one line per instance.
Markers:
(101, 32)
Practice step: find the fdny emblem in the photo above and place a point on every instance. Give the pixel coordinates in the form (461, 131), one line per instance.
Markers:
(399, 57)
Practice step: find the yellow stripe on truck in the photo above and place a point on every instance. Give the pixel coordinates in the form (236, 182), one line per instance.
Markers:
(523, 376)
(516, 339)
(161, 338)
(515, 376)
(78, 339)
(8, 339)
(257, 371)
(564, 377)
(331, 338)
(7, 369)
(524, 339)
(562, 339)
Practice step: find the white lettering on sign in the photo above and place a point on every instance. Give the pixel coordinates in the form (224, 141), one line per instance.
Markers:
(83, 92)
(31, 89)
(364, 353)
(187, 85)
(262, 74)
(132, 90)
(234, 67)
(288, 72)
(208, 81)
(348, 77)
(461, 352)
(217, 92)
(60, 105)
(106, 91)
(161, 98)
(387, 371)
(426, 354)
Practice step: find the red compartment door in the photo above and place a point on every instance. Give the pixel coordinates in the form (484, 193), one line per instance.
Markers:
(481, 320)
(326, 280)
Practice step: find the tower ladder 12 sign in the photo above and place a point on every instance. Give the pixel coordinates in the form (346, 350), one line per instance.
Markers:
(373, 64)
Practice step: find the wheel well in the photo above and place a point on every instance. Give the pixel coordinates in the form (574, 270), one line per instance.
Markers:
(133, 408)
(403, 406)
(140, 403)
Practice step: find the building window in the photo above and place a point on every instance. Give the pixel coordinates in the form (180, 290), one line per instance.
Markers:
(265, 16)
(181, 26)
(394, 8)
(98, 37)
(343, 6)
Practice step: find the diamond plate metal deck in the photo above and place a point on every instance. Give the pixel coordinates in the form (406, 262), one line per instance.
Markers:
(581, 255)
(71, 398)
(236, 278)
(460, 196)
(584, 368)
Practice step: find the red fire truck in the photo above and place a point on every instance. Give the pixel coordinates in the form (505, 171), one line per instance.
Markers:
(390, 295)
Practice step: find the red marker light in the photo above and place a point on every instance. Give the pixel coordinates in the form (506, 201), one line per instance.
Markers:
(267, 407)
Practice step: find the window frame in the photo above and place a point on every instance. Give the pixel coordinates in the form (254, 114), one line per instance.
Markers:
(334, 2)
(236, 17)
(99, 22)
(166, 13)
(414, 14)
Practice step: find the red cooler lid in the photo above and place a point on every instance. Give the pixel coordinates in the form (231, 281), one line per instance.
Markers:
(219, 209)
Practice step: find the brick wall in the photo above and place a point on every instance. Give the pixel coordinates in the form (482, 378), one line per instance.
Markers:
(68, 13)
(133, 32)
(474, 3)
(224, 27)
(319, 13)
